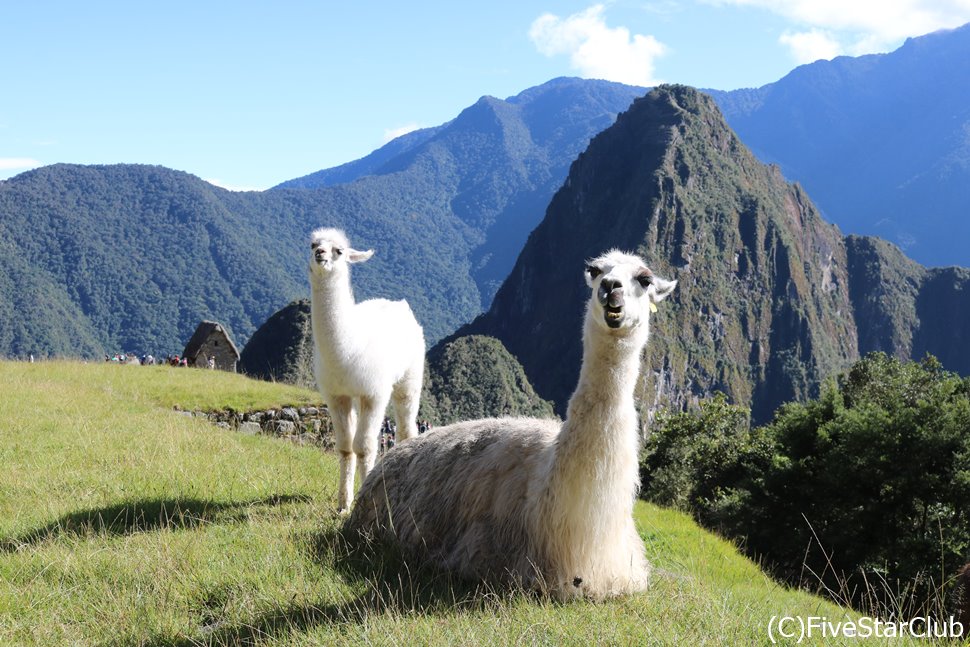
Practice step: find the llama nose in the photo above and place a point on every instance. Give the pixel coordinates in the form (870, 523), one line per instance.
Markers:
(610, 294)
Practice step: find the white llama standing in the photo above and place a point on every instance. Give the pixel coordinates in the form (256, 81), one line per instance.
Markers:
(542, 504)
(366, 354)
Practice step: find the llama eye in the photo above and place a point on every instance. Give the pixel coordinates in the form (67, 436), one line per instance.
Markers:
(644, 279)
(337, 251)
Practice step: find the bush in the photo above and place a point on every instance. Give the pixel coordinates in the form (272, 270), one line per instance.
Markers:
(872, 479)
(703, 462)
(863, 491)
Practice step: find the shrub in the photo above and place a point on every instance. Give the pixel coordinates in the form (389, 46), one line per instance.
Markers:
(703, 462)
(863, 491)
(874, 477)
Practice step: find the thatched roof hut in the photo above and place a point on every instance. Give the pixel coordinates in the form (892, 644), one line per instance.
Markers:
(211, 347)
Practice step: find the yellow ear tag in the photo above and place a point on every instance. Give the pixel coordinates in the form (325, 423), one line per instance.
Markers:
(653, 307)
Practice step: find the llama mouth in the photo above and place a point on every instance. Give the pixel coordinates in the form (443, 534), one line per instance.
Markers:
(613, 316)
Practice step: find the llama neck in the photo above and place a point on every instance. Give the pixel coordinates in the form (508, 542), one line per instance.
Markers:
(607, 379)
(596, 452)
(331, 301)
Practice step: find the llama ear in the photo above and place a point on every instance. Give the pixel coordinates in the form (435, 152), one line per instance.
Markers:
(592, 272)
(661, 289)
(353, 256)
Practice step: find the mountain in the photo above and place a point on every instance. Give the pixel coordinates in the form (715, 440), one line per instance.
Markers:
(135, 256)
(132, 257)
(771, 298)
(473, 377)
(905, 309)
(490, 172)
(144, 253)
(671, 181)
(281, 350)
(880, 142)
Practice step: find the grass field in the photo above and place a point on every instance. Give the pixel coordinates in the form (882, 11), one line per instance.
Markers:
(125, 523)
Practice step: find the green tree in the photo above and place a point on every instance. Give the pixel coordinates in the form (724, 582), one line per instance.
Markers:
(871, 480)
(476, 377)
(862, 491)
(703, 462)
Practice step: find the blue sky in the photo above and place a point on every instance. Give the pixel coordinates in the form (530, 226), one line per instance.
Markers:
(249, 94)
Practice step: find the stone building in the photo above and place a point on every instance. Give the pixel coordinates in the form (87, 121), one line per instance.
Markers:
(211, 340)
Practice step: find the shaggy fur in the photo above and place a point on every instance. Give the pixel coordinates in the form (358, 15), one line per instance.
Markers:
(366, 354)
(534, 502)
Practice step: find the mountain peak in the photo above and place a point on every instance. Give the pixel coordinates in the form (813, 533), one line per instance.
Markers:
(571, 84)
(486, 114)
(670, 181)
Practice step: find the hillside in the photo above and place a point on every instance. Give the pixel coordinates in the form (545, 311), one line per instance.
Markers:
(368, 165)
(142, 526)
(131, 258)
(281, 350)
(37, 314)
(474, 377)
(880, 142)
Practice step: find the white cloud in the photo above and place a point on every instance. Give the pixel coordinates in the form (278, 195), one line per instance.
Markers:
(394, 133)
(595, 50)
(810, 46)
(860, 26)
(18, 163)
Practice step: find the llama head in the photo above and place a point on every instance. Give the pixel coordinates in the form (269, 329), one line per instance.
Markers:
(625, 291)
(330, 252)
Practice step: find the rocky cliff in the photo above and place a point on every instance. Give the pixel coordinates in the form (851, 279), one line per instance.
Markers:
(762, 310)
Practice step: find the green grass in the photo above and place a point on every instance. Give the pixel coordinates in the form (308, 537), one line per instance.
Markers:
(125, 523)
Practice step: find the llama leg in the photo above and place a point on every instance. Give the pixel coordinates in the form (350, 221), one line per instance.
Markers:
(368, 429)
(407, 399)
(342, 413)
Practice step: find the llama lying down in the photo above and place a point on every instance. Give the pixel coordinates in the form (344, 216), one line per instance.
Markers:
(532, 502)
(365, 354)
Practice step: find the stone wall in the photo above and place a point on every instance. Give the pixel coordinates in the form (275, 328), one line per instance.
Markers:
(303, 425)
(216, 346)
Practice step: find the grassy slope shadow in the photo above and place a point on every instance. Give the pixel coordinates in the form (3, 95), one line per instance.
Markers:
(142, 516)
(390, 584)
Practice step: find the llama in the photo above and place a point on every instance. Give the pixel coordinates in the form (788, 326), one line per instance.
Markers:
(535, 503)
(366, 354)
